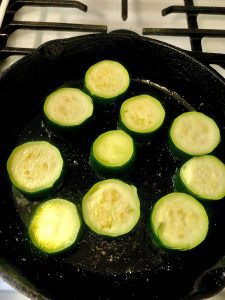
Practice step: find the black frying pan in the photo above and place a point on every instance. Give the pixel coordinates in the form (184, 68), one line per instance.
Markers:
(102, 268)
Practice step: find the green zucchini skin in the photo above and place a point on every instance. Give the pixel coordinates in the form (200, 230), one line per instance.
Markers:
(42, 192)
(140, 134)
(112, 171)
(102, 102)
(140, 138)
(180, 186)
(106, 170)
(202, 126)
(46, 249)
(155, 238)
(177, 152)
(156, 235)
(117, 227)
(105, 100)
(45, 192)
(67, 129)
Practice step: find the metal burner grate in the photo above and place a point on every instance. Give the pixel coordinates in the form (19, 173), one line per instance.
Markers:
(9, 26)
(195, 34)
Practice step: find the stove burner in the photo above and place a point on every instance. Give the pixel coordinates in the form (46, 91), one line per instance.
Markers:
(9, 26)
(193, 32)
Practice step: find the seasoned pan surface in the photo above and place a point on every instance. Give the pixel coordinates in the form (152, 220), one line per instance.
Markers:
(98, 267)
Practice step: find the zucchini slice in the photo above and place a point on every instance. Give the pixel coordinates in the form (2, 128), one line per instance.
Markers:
(106, 80)
(193, 133)
(141, 115)
(35, 167)
(55, 225)
(179, 221)
(111, 208)
(202, 176)
(112, 152)
(68, 107)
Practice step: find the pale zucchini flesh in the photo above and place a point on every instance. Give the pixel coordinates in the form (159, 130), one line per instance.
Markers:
(113, 148)
(68, 107)
(194, 133)
(204, 177)
(55, 225)
(107, 79)
(35, 166)
(142, 114)
(179, 221)
(111, 208)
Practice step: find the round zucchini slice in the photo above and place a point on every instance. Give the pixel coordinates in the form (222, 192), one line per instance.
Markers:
(193, 133)
(55, 225)
(68, 108)
(141, 115)
(106, 80)
(112, 152)
(202, 176)
(179, 222)
(35, 167)
(111, 208)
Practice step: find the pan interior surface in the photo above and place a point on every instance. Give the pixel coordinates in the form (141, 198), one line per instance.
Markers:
(98, 266)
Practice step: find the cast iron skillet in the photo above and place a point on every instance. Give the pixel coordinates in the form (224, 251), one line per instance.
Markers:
(100, 268)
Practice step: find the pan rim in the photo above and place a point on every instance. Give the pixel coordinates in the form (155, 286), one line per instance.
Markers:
(18, 283)
(117, 33)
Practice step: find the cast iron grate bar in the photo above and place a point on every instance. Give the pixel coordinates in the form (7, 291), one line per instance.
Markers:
(196, 42)
(208, 10)
(47, 3)
(124, 9)
(191, 11)
(209, 58)
(8, 51)
(14, 6)
(9, 26)
(195, 33)
(26, 25)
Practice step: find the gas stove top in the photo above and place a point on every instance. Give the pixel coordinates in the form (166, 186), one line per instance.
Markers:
(191, 25)
(194, 25)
